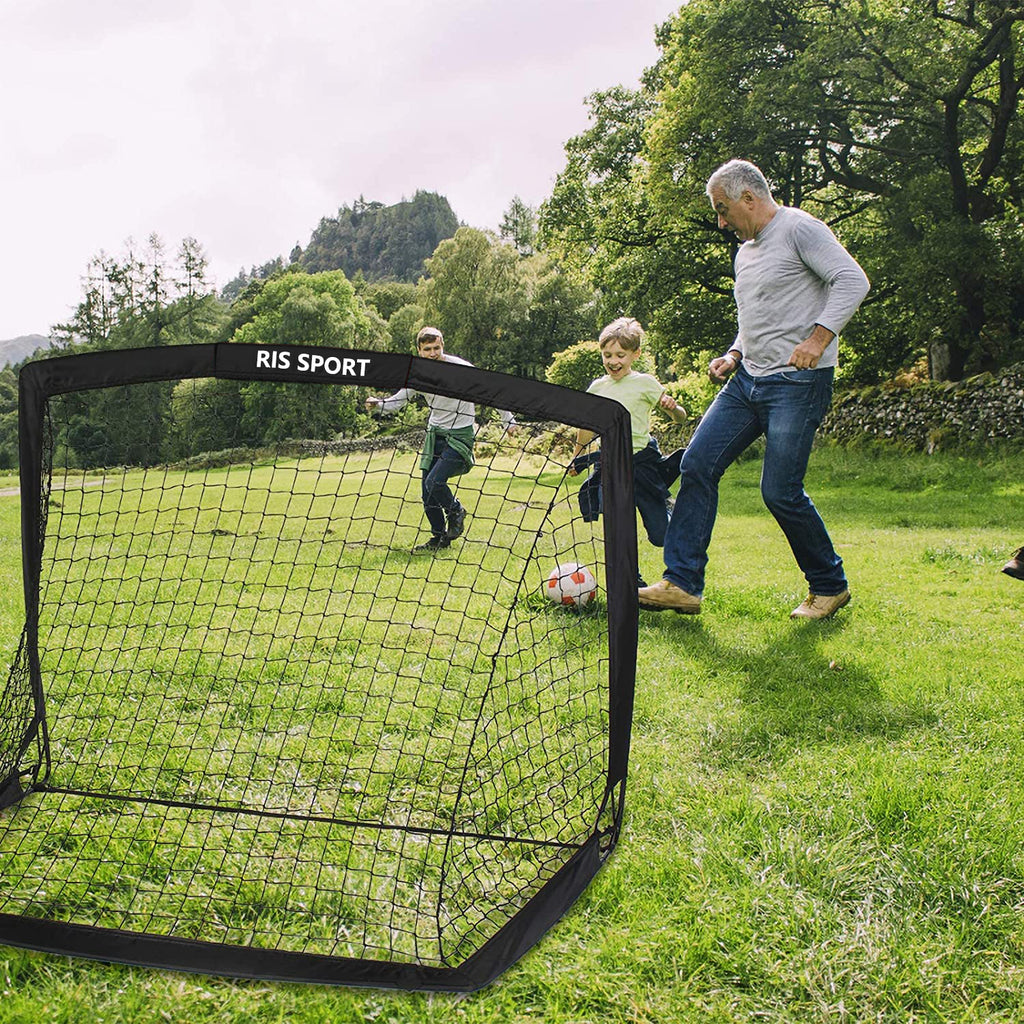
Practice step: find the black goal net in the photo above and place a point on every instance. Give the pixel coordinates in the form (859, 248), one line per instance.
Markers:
(264, 720)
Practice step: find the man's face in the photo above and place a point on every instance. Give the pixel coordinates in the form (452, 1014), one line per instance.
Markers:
(617, 360)
(431, 347)
(735, 214)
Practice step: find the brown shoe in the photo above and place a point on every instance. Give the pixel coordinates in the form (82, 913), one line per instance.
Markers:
(1015, 566)
(664, 595)
(819, 606)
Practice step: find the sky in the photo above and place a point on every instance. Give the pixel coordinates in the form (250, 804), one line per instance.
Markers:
(241, 123)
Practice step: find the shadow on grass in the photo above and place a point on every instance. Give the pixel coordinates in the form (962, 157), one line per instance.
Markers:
(782, 694)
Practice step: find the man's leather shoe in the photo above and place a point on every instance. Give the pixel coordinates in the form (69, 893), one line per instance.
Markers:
(663, 595)
(820, 606)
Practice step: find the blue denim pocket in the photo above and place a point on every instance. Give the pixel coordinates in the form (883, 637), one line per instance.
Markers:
(795, 376)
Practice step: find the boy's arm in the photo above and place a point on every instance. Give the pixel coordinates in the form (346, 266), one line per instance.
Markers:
(389, 405)
(583, 439)
(673, 408)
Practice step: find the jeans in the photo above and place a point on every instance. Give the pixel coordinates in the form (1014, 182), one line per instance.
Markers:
(437, 495)
(650, 489)
(786, 408)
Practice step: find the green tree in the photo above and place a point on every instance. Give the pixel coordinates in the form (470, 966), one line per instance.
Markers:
(500, 310)
(898, 124)
(403, 326)
(8, 419)
(475, 294)
(519, 226)
(296, 308)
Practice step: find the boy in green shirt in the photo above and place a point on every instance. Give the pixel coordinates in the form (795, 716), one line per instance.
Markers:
(620, 344)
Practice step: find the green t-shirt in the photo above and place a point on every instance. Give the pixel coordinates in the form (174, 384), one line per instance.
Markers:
(639, 393)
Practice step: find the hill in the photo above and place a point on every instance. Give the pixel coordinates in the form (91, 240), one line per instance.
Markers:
(381, 242)
(15, 350)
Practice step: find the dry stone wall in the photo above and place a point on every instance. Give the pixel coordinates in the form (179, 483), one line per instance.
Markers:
(932, 415)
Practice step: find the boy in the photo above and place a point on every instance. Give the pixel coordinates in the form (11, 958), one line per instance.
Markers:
(620, 344)
(448, 448)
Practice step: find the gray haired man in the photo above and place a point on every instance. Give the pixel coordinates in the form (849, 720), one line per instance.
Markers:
(796, 288)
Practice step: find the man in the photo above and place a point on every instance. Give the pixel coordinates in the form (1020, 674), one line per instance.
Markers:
(448, 448)
(796, 288)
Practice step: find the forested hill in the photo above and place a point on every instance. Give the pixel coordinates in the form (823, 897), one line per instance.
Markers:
(383, 242)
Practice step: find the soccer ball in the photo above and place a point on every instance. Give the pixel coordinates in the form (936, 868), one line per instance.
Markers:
(571, 584)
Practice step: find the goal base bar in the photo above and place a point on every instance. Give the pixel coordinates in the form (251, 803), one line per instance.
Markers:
(140, 950)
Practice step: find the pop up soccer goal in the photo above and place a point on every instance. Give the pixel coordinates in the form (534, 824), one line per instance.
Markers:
(248, 731)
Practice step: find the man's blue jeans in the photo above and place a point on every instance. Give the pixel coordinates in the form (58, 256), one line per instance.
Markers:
(437, 495)
(786, 408)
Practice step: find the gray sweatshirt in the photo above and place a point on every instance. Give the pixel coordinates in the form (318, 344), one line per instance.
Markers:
(793, 275)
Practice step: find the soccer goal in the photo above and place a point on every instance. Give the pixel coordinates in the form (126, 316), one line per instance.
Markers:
(248, 729)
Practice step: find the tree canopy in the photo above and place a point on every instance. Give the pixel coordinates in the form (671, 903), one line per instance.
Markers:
(501, 310)
(897, 123)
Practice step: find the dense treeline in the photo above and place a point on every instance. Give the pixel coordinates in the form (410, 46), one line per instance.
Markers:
(897, 123)
(497, 306)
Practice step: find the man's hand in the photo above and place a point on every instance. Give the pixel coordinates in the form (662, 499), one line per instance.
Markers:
(720, 369)
(806, 355)
(372, 403)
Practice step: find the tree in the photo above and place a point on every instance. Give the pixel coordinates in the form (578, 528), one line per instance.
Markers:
(519, 226)
(474, 293)
(500, 310)
(899, 124)
(8, 419)
(296, 308)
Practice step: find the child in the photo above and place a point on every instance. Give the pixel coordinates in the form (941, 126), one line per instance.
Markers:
(620, 344)
(448, 448)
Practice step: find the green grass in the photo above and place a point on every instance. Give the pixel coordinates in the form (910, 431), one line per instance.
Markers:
(825, 822)
(262, 639)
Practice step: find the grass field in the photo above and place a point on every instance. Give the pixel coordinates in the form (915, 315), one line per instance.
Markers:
(825, 822)
(314, 739)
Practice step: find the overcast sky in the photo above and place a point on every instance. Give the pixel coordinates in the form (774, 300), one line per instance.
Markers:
(242, 122)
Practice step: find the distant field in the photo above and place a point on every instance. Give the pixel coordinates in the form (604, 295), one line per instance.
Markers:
(824, 821)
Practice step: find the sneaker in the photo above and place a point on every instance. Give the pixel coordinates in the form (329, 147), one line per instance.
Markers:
(664, 594)
(820, 606)
(1015, 566)
(430, 546)
(456, 522)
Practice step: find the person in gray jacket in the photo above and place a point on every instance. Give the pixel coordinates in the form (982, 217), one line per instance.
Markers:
(796, 288)
(447, 447)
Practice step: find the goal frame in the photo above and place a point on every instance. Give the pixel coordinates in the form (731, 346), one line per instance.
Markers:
(27, 767)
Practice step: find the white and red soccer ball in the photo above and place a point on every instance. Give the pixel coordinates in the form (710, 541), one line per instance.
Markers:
(571, 584)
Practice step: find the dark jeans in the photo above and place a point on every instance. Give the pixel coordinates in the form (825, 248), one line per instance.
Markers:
(786, 408)
(651, 475)
(438, 499)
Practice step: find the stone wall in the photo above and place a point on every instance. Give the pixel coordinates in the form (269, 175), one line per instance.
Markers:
(932, 415)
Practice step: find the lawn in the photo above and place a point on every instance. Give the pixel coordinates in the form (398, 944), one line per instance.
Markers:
(824, 821)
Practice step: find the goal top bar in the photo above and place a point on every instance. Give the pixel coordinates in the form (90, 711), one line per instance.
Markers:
(321, 365)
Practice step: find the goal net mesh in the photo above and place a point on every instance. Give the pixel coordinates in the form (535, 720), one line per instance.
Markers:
(246, 716)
